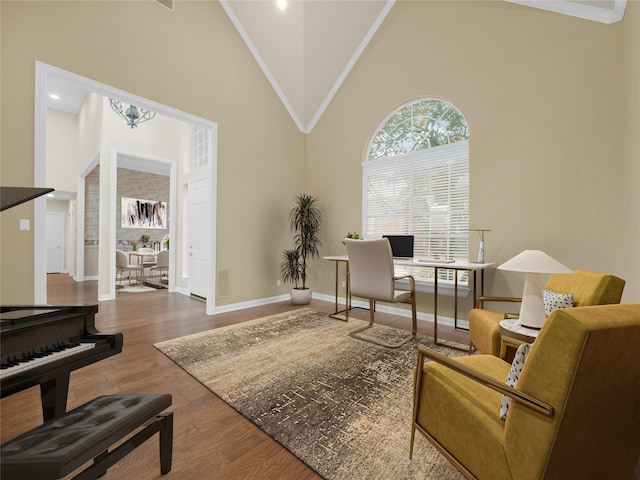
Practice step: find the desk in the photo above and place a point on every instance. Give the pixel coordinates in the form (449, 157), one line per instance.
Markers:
(457, 266)
(338, 259)
(140, 260)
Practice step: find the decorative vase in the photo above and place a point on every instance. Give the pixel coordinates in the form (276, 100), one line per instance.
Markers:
(301, 296)
(481, 252)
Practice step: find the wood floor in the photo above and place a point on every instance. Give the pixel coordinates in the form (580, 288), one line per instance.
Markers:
(211, 440)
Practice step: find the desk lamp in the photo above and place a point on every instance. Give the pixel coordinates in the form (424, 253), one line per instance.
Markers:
(533, 263)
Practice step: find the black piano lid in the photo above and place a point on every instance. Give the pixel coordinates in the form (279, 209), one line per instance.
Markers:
(15, 316)
(12, 196)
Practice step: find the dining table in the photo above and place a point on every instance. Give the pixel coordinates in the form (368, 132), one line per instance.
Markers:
(140, 260)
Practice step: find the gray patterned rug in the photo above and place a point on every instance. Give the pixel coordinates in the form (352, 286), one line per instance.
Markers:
(341, 405)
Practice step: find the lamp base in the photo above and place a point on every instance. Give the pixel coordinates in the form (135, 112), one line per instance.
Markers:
(532, 309)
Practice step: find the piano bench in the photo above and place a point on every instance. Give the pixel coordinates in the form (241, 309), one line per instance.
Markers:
(60, 446)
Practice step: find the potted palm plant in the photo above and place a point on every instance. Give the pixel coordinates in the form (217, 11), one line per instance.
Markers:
(304, 221)
(290, 267)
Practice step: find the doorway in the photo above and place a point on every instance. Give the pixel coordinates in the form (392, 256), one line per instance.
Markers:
(44, 74)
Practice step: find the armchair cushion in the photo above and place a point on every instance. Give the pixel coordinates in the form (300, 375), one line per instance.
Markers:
(484, 331)
(553, 300)
(587, 288)
(453, 406)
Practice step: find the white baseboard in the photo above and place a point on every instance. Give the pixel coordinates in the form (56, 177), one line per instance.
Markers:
(425, 317)
(401, 312)
(251, 303)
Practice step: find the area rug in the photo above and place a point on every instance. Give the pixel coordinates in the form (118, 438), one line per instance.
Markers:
(339, 404)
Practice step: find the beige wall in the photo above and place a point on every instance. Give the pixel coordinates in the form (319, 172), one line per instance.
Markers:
(193, 60)
(62, 150)
(629, 255)
(543, 95)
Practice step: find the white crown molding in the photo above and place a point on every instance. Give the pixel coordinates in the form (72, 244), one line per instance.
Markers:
(350, 64)
(579, 9)
(254, 51)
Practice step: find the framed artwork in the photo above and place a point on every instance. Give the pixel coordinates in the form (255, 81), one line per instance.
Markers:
(138, 213)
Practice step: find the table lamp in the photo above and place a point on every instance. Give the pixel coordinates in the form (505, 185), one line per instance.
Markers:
(533, 263)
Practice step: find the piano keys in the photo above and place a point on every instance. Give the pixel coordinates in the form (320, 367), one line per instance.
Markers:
(42, 345)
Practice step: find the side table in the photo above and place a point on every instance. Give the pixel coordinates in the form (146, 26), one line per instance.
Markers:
(513, 334)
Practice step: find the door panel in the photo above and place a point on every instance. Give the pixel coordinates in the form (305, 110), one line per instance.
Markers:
(198, 237)
(55, 242)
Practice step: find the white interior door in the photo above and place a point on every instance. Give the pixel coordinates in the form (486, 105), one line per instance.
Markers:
(198, 237)
(55, 242)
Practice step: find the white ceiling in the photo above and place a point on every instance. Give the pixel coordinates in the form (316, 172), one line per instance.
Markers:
(71, 96)
(307, 50)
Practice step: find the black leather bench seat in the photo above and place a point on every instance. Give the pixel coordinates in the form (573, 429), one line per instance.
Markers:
(58, 447)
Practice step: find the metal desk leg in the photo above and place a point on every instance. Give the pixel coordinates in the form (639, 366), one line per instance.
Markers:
(335, 310)
(455, 318)
(435, 306)
(455, 301)
(435, 312)
(337, 314)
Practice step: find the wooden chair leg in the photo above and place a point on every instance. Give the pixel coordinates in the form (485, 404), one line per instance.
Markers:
(166, 443)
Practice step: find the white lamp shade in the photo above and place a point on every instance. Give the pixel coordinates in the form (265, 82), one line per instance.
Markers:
(534, 261)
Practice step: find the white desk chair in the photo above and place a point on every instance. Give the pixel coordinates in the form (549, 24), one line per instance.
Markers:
(372, 276)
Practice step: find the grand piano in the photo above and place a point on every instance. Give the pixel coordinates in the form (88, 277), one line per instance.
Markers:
(42, 344)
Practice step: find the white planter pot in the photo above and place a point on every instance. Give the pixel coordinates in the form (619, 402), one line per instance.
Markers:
(301, 296)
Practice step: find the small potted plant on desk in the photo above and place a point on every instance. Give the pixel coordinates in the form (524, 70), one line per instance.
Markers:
(354, 236)
(304, 221)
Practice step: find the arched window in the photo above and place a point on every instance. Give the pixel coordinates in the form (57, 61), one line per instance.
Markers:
(416, 179)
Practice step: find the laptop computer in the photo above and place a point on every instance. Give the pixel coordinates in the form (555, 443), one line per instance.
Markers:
(401, 245)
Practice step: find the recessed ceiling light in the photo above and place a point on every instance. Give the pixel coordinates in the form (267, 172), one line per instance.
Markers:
(54, 96)
(282, 4)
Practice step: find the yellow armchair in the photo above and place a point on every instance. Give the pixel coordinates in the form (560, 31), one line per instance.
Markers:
(588, 288)
(574, 410)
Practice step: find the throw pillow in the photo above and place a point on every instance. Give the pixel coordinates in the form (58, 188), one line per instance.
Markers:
(514, 374)
(553, 300)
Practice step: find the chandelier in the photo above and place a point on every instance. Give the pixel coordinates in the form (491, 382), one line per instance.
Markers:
(132, 115)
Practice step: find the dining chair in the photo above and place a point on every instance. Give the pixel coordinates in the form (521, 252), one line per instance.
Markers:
(162, 263)
(148, 260)
(123, 265)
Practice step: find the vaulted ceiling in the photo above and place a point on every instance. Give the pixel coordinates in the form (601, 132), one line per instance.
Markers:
(306, 48)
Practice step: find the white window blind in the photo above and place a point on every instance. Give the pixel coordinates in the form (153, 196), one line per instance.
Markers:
(424, 193)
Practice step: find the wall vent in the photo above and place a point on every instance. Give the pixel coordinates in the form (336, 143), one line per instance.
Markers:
(222, 284)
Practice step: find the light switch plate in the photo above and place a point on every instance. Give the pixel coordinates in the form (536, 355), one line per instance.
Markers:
(25, 224)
